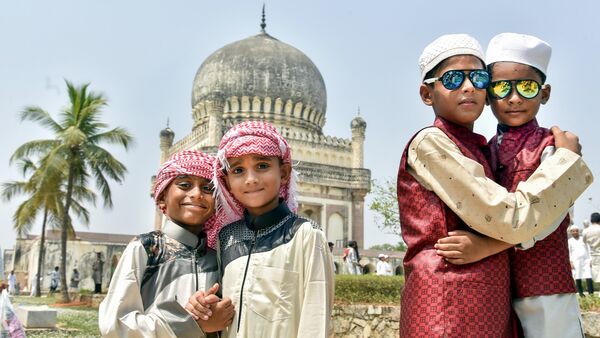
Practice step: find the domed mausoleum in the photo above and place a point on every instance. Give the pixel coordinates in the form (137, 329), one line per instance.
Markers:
(262, 78)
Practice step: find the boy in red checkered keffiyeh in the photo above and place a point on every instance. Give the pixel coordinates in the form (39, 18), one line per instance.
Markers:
(275, 265)
(159, 271)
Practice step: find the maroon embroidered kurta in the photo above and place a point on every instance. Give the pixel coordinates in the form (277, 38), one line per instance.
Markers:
(544, 269)
(440, 299)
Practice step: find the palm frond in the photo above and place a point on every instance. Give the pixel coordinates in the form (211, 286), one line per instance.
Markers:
(116, 135)
(36, 147)
(37, 114)
(14, 188)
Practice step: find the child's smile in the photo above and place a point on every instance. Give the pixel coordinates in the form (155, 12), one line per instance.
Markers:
(189, 202)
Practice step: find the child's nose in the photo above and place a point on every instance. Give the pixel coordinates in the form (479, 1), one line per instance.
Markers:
(251, 177)
(196, 192)
(467, 86)
(514, 97)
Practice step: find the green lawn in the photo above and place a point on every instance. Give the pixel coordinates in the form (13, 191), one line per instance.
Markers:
(72, 321)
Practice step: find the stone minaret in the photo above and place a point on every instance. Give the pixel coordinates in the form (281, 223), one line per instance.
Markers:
(166, 142)
(359, 126)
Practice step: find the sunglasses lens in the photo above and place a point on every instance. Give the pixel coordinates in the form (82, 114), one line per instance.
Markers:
(479, 78)
(528, 88)
(452, 79)
(500, 89)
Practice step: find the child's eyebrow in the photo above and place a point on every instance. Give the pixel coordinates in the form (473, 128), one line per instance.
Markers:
(234, 162)
(262, 158)
(254, 157)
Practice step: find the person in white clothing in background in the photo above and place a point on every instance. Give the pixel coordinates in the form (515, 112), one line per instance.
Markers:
(580, 261)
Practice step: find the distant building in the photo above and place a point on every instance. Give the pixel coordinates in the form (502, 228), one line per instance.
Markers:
(81, 253)
(262, 78)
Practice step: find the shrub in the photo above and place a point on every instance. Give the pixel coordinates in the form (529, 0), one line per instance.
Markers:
(370, 289)
(589, 303)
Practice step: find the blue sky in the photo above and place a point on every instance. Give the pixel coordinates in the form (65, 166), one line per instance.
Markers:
(143, 56)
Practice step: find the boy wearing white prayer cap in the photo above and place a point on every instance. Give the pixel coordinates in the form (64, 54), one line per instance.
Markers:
(445, 185)
(542, 285)
(543, 288)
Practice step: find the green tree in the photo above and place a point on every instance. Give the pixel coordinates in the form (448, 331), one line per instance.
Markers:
(44, 194)
(76, 152)
(385, 206)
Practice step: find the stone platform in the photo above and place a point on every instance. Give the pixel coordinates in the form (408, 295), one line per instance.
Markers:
(32, 316)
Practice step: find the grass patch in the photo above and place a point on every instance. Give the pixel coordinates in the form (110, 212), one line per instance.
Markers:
(44, 300)
(368, 289)
(85, 321)
(76, 321)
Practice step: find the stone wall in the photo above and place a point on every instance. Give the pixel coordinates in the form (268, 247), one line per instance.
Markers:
(591, 324)
(365, 321)
(362, 320)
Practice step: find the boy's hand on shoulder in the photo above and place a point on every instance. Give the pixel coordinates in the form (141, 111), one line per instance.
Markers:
(222, 317)
(463, 247)
(199, 303)
(566, 139)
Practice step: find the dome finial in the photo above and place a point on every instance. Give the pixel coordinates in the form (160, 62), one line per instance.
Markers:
(167, 122)
(358, 112)
(263, 23)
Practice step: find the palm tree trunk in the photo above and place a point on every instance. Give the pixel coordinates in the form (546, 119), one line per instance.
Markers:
(64, 232)
(38, 292)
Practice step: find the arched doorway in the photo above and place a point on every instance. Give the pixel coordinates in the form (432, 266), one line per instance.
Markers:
(335, 228)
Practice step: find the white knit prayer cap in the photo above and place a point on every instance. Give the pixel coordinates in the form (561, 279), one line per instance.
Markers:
(446, 46)
(520, 48)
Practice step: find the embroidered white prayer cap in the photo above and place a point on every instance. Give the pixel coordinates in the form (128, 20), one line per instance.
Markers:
(573, 227)
(381, 255)
(446, 46)
(520, 48)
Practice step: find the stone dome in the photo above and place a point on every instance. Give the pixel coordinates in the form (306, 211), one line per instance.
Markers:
(274, 77)
(167, 132)
(358, 122)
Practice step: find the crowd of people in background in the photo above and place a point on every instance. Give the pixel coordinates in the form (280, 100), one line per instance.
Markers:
(14, 287)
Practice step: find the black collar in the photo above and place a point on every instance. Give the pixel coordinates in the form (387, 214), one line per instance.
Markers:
(267, 219)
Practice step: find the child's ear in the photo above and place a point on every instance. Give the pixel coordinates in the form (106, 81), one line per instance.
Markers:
(425, 93)
(161, 203)
(286, 171)
(546, 89)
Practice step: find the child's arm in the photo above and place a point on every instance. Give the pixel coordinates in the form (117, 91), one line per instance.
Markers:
(317, 305)
(464, 247)
(121, 313)
(437, 163)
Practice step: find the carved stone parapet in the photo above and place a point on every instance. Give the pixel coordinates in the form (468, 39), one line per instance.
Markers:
(351, 178)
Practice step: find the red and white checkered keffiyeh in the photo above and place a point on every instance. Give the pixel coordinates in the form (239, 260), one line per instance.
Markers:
(250, 137)
(192, 163)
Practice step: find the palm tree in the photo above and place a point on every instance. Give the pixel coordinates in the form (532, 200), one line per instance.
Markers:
(75, 152)
(43, 193)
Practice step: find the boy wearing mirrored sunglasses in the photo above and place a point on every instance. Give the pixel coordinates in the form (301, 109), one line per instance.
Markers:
(446, 184)
(542, 284)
